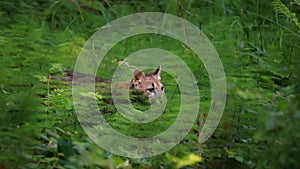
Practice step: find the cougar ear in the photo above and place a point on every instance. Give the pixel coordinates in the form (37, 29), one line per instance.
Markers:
(138, 75)
(157, 71)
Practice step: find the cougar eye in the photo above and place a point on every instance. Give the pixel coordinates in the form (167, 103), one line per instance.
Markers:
(132, 86)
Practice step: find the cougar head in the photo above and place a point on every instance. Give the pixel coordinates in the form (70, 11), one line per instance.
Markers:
(148, 84)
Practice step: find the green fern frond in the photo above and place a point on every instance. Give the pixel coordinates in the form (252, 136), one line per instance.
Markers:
(281, 8)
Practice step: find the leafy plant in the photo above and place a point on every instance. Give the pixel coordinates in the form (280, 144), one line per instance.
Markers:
(258, 43)
(282, 9)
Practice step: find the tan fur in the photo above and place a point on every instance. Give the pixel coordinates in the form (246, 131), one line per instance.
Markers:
(148, 84)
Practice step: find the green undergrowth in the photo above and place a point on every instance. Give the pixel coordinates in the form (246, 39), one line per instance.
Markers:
(257, 42)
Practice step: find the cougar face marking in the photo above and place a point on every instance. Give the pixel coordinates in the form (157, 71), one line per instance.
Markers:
(148, 84)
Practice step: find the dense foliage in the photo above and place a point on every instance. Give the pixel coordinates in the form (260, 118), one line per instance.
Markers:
(258, 43)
